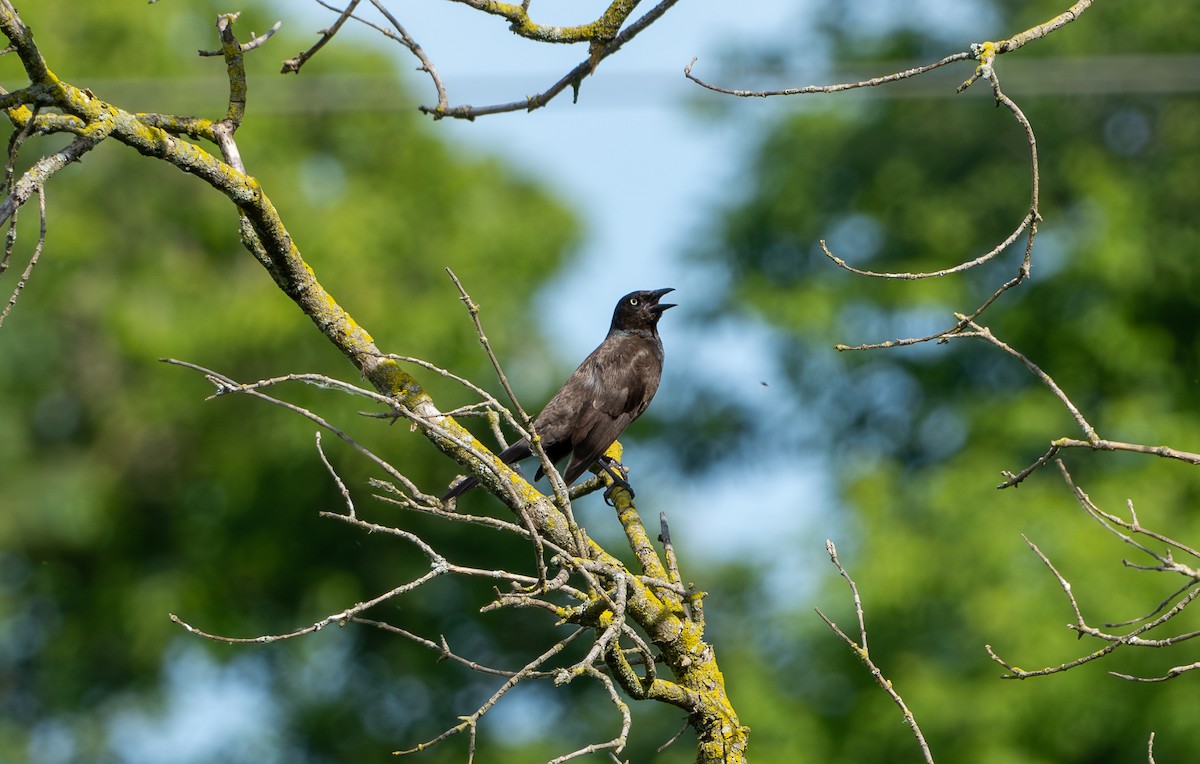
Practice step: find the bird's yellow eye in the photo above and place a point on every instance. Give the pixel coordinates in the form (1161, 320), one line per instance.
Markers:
(633, 301)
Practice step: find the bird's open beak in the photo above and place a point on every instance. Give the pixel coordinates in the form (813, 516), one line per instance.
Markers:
(659, 307)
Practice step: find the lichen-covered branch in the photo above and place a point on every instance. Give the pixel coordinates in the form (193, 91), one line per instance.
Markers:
(82, 113)
(603, 28)
(605, 35)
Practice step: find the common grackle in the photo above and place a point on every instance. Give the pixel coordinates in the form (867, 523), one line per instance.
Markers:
(610, 389)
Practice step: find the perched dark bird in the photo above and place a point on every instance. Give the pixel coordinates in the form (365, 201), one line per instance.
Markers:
(610, 389)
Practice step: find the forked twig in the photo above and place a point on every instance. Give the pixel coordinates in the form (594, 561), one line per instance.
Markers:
(1160, 615)
(572, 79)
(292, 65)
(860, 650)
(556, 481)
(469, 722)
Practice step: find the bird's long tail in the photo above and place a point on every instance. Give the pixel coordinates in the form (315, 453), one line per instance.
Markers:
(514, 453)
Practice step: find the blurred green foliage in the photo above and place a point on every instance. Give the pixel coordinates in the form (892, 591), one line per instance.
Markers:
(126, 496)
(918, 436)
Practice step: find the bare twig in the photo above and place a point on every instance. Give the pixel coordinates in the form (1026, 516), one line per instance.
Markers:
(984, 52)
(349, 501)
(858, 609)
(1111, 523)
(1174, 672)
(526, 422)
(407, 41)
(617, 744)
(664, 535)
(860, 650)
(442, 648)
(672, 739)
(33, 259)
(556, 481)
(985, 334)
(226, 386)
(835, 88)
(337, 618)
(292, 65)
(572, 79)
(1182, 597)
(1100, 444)
(947, 333)
(399, 498)
(968, 328)
(489, 401)
(255, 41)
(915, 276)
(469, 722)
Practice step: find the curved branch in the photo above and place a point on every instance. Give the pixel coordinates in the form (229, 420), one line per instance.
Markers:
(1029, 222)
(968, 265)
(864, 655)
(835, 88)
(292, 65)
(603, 28)
(573, 79)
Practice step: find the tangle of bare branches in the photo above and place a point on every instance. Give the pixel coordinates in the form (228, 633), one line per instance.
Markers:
(984, 54)
(587, 588)
(1130, 532)
(1165, 555)
(638, 617)
(604, 35)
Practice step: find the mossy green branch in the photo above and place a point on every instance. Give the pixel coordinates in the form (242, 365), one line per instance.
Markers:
(235, 68)
(603, 29)
(699, 686)
(1041, 30)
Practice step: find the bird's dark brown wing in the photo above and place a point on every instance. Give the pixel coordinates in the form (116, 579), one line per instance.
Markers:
(623, 378)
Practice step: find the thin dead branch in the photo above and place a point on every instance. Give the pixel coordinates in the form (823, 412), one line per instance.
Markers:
(864, 655)
(1167, 610)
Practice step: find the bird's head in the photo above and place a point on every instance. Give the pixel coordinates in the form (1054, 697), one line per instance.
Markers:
(640, 310)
